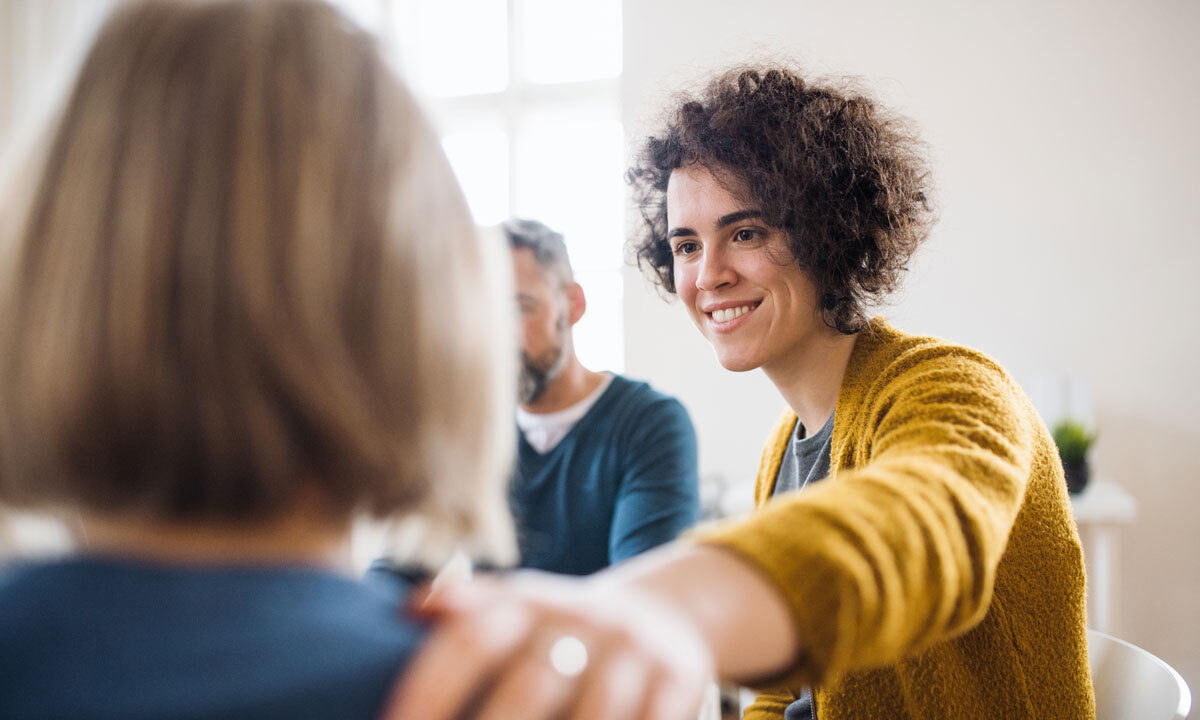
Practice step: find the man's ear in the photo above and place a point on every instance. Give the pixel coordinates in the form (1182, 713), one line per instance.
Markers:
(576, 302)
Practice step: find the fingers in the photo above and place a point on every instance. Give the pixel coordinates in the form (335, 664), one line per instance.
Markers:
(464, 651)
(614, 690)
(489, 656)
(530, 689)
(453, 595)
(671, 697)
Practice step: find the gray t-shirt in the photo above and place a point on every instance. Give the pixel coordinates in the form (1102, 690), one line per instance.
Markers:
(805, 461)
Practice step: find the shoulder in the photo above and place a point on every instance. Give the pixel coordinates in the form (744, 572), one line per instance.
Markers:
(176, 627)
(638, 396)
(886, 359)
(644, 415)
(32, 593)
(18, 599)
(900, 382)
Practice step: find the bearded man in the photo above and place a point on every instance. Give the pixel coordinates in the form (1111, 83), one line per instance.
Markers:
(606, 466)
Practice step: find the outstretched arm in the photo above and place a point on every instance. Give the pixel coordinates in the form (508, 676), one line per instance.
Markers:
(900, 552)
(895, 555)
(656, 628)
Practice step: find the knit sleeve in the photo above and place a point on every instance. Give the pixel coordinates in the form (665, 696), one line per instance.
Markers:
(769, 705)
(659, 492)
(900, 552)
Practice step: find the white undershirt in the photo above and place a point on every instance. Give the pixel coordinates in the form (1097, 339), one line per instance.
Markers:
(545, 430)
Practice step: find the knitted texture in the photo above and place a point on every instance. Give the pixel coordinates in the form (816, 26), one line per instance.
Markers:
(937, 573)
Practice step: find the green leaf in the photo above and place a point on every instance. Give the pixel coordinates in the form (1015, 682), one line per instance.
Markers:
(1073, 440)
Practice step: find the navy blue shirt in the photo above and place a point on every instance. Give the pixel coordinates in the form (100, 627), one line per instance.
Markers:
(89, 638)
(623, 480)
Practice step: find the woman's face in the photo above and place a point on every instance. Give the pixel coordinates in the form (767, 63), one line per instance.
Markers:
(736, 276)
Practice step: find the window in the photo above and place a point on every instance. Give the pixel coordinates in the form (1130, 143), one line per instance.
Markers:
(525, 95)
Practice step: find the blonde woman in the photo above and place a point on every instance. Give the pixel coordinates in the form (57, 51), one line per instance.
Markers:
(244, 302)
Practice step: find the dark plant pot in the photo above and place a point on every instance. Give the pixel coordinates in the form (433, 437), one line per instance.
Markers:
(1077, 476)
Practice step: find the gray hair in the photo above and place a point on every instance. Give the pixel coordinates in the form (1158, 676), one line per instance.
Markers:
(547, 245)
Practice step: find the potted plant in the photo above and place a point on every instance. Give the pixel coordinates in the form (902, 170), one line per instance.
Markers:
(1074, 440)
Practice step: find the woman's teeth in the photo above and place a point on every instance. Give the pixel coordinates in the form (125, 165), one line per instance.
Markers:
(728, 314)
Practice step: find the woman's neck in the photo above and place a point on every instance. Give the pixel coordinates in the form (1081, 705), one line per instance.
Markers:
(810, 378)
(300, 537)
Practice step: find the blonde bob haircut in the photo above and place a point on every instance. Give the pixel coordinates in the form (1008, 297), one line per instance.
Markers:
(245, 270)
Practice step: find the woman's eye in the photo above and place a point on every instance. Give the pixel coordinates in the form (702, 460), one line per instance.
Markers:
(746, 235)
(687, 247)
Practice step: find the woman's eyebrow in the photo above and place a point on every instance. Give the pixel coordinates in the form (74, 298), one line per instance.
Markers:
(738, 216)
(723, 221)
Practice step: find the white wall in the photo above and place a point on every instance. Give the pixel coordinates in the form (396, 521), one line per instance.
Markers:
(1066, 138)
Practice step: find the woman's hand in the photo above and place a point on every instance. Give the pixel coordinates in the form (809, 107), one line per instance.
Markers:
(534, 646)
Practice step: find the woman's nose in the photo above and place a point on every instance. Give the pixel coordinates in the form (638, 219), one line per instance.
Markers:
(715, 271)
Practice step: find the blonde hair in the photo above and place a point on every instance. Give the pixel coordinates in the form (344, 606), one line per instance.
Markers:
(246, 269)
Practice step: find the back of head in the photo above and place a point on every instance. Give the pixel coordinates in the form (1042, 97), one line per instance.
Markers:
(246, 270)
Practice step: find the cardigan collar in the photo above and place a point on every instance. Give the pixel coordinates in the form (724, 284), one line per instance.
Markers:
(860, 370)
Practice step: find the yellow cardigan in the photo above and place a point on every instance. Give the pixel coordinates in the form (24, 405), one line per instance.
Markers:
(937, 573)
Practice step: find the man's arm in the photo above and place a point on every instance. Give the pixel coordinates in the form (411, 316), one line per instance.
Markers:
(659, 495)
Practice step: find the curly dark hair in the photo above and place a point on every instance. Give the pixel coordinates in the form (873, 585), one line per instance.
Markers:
(846, 180)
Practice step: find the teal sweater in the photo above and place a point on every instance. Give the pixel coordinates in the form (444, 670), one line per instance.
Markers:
(622, 481)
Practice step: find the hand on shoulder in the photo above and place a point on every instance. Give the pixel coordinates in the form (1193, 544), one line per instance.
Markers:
(533, 646)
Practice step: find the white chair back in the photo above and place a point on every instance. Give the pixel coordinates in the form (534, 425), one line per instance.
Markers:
(1132, 684)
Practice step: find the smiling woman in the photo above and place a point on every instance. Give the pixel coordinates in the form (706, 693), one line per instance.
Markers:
(779, 209)
(845, 181)
(913, 553)
(735, 275)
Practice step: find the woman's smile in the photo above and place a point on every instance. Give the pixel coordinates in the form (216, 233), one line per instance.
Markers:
(726, 317)
(735, 274)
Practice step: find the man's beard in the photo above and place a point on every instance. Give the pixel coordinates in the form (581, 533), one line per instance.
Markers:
(537, 373)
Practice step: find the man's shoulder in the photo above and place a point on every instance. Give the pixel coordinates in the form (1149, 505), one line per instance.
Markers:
(638, 397)
(635, 413)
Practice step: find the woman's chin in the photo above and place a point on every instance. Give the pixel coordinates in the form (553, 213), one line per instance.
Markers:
(734, 362)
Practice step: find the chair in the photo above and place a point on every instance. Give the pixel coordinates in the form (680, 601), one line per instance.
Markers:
(1132, 684)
